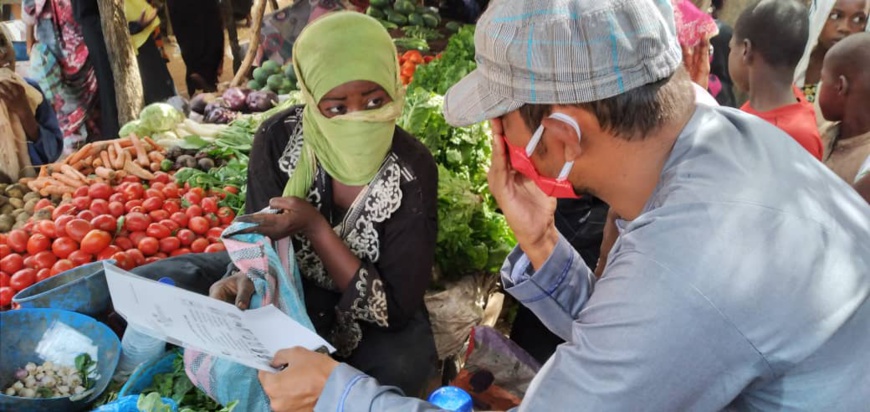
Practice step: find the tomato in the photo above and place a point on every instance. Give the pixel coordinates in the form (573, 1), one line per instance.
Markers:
(152, 259)
(42, 204)
(137, 256)
(65, 209)
(158, 186)
(231, 189)
(137, 222)
(123, 261)
(30, 262)
(133, 205)
(86, 215)
(61, 266)
(130, 179)
(117, 197)
(148, 246)
(158, 231)
(77, 229)
(47, 228)
(169, 244)
(214, 235)
(186, 237)
(44, 260)
(37, 243)
(4, 279)
(192, 198)
(6, 294)
(80, 258)
(160, 177)
(12, 263)
(100, 191)
(215, 247)
(81, 191)
(172, 206)
(171, 190)
(60, 224)
(123, 242)
(116, 209)
(152, 203)
(95, 241)
(199, 225)
(180, 218)
(193, 211)
(209, 205)
(408, 69)
(158, 215)
(133, 191)
(5, 250)
(226, 215)
(213, 220)
(179, 252)
(43, 274)
(100, 206)
(82, 203)
(155, 193)
(28, 227)
(161, 255)
(108, 252)
(17, 240)
(105, 222)
(62, 247)
(199, 245)
(171, 225)
(137, 237)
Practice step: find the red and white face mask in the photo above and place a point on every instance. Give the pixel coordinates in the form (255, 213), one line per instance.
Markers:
(521, 161)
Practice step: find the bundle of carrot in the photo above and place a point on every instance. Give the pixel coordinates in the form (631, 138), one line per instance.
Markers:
(106, 161)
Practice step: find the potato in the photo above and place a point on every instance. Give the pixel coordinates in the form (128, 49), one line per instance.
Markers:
(6, 223)
(4, 200)
(30, 205)
(3, 187)
(7, 209)
(42, 214)
(16, 203)
(16, 191)
(31, 196)
(22, 217)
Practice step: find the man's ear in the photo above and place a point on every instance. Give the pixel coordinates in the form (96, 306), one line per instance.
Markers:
(565, 134)
(842, 85)
(748, 53)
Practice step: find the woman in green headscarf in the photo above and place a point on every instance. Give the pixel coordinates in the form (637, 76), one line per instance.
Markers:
(359, 197)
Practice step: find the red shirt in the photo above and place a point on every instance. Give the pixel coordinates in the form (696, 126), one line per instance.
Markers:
(798, 120)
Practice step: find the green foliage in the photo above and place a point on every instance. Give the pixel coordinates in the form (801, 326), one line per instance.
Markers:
(455, 63)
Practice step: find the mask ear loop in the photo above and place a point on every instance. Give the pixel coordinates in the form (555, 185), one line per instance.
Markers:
(536, 138)
(563, 175)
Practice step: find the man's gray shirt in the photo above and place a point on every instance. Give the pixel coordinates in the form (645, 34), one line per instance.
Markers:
(743, 285)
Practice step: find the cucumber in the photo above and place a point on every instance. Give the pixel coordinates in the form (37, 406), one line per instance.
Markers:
(375, 12)
(380, 3)
(388, 25)
(430, 20)
(415, 19)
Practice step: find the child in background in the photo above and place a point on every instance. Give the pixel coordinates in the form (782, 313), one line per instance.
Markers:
(768, 41)
(845, 98)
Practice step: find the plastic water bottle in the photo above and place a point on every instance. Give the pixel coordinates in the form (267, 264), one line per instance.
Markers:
(452, 399)
(138, 347)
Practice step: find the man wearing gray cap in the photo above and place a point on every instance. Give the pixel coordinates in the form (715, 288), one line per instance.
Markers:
(741, 279)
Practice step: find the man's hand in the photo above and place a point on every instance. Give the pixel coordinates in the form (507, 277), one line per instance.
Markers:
(529, 212)
(297, 387)
(297, 216)
(236, 289)
(15, 98)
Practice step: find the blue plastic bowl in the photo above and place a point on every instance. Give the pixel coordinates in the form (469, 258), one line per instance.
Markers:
(143, 376)
(83, 290)
(38, 335)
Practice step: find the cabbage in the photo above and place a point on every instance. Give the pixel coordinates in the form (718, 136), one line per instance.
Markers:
(133, 127)
(160, 117)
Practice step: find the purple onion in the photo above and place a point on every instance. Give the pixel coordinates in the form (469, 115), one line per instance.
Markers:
(21, 374)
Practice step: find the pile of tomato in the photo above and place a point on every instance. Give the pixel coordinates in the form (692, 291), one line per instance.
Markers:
(408, 63)
(132, 223)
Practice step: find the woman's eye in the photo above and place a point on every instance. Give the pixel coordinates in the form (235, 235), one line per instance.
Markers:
(859, 19)
(337, 110)
(834, 16)
(375, 103)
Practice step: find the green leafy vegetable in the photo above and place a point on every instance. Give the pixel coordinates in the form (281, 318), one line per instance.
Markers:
(159, 117)
(152, 403)
(456, 62)
(86, 367)
(422, 33)
(177, 386)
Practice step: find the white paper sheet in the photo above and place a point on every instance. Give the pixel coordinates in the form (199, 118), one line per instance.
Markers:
(190, 320)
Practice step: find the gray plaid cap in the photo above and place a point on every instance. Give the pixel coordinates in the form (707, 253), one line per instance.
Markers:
(563, 52)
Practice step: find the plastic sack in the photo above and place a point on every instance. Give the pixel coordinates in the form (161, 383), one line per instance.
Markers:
(273, 270)
(128, 404)
(497, 372)
(453, 312)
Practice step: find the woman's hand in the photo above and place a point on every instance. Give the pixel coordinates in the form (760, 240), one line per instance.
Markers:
(528, 211)
(297, 216)
(236, 289)
(298, 386)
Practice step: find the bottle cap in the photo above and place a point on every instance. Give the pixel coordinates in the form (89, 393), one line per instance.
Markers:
(452, 399)
(167, 281)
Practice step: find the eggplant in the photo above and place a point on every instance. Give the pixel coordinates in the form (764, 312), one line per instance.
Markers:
(205, 164)
(185, 161)
(259, 101)
(199, 102)
(235, 98)
(215, 104)
(220, 115)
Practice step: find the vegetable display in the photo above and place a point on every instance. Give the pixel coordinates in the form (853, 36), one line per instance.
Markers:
(272, 77)
(403, 13)
(54, 381)
(409, 61)
(17, 204)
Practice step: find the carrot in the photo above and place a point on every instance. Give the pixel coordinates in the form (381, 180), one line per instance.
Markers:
(154, 145)
(85, 151)
(72, 172)
(113, 158)
(36, 184)
(119, 155)
(105, 173)
(60, 177)
(104, 156)
(124, 142)
(137, 170)
(141, 155)
(156, 156)
(120, 174)
(58, 189)
(43, 171)
(155, 167)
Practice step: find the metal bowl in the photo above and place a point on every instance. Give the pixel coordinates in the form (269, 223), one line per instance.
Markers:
(82, 289)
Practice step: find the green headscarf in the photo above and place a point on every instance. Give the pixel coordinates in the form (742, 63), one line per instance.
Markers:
(333, 50)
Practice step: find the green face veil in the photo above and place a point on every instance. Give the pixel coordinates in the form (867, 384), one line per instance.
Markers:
(333, 50)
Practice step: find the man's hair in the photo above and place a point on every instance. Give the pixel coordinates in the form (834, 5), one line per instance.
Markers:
(778, 30)
(633, 114)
